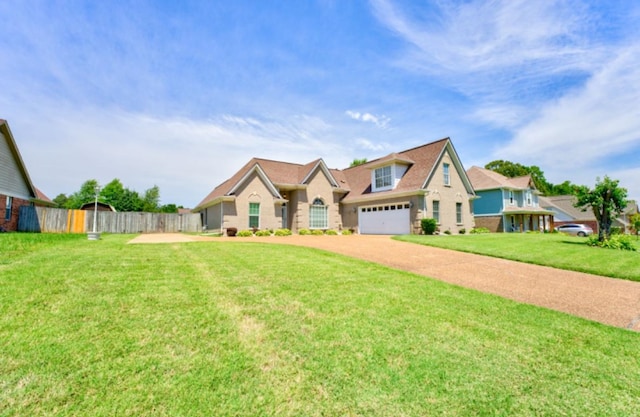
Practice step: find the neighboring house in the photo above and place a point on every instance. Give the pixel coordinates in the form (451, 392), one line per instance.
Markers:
(16, 188)
(389, 195)
(565, 212)
(507, 204)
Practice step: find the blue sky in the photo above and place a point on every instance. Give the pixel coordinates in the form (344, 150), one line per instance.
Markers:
(182, 94)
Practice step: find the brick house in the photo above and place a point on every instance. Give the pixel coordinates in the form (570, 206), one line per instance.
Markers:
(16, 188)
(389, 195)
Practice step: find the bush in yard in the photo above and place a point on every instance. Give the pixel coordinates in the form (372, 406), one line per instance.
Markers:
(617, 241)
(263, 233)
(304, 232)
(317, 232)
(331, 232)
(479, 230)
(347, 232)
(245, 233)
(428, 226)
(462, 231)
(283, 232)
(231, 231)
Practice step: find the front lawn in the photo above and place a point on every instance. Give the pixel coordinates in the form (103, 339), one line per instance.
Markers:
(551, 249)
(256, 329)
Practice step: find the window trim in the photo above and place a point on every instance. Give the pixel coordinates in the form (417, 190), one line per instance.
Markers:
(8, 208)
(383, 180)
(446, 174)
(254, 216)
(317, 206)
(435, 210)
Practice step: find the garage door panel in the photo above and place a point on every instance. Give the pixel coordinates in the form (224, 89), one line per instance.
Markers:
(385, 222)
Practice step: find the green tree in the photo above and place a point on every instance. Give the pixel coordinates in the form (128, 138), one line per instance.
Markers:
(61, 200)
(566, 188)
(634, 219)
(113, 193)
(169, 208)
(607, 200)
(120, 197)
(151, 200)
(86, 194)
(358, 161)
(513, 169)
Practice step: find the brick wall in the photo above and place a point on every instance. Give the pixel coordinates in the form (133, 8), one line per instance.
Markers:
(12, 223)
(493, 223)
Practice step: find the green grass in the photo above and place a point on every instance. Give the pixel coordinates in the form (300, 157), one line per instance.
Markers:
(556, 250)
(256, 329)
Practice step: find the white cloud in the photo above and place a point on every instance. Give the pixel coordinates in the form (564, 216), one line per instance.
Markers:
(600, 120)
(381, 121)
(371, 146)
(186, 158)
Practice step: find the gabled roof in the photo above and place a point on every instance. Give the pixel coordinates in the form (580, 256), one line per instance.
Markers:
(4, 129)
(42, 199)
(422, 160)
(276, 175)
(485, 179)
(565, 204)
(355, 182)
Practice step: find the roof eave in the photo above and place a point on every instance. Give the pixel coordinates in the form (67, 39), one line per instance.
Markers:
(377, 196)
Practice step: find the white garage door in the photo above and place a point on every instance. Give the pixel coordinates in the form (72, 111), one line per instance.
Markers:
(389, 219)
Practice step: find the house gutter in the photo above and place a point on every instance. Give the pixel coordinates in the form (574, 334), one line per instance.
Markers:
(224, 198)
(378, 196)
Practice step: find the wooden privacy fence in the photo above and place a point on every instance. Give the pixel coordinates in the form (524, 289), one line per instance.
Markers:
(52, 220)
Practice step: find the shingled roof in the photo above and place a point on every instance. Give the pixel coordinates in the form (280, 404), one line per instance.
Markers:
(278, 173)
(422, 161)
(485, 179)
(355, 182)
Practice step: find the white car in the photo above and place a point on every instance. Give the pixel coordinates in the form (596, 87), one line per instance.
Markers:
(575, 229)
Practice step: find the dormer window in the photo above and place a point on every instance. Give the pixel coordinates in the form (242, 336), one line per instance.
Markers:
(383, 178)
(387, 173)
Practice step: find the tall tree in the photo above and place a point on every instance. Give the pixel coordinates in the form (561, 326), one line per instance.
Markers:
(86, 194)
(634, 219)
(151, 200)
(61, 200)
(513, 169)
(607, 201)
(113, 194)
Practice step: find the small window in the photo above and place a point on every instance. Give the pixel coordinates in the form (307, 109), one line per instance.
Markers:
(7, 213)
(529, 198)
(459, 213)
(383, 177)
(511, 199)
(447, 179)
(436, 211)
(254, 215)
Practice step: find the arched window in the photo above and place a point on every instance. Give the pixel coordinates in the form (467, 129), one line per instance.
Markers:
(318, 215)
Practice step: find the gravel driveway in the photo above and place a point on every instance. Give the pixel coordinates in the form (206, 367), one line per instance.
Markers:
(611, 301)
